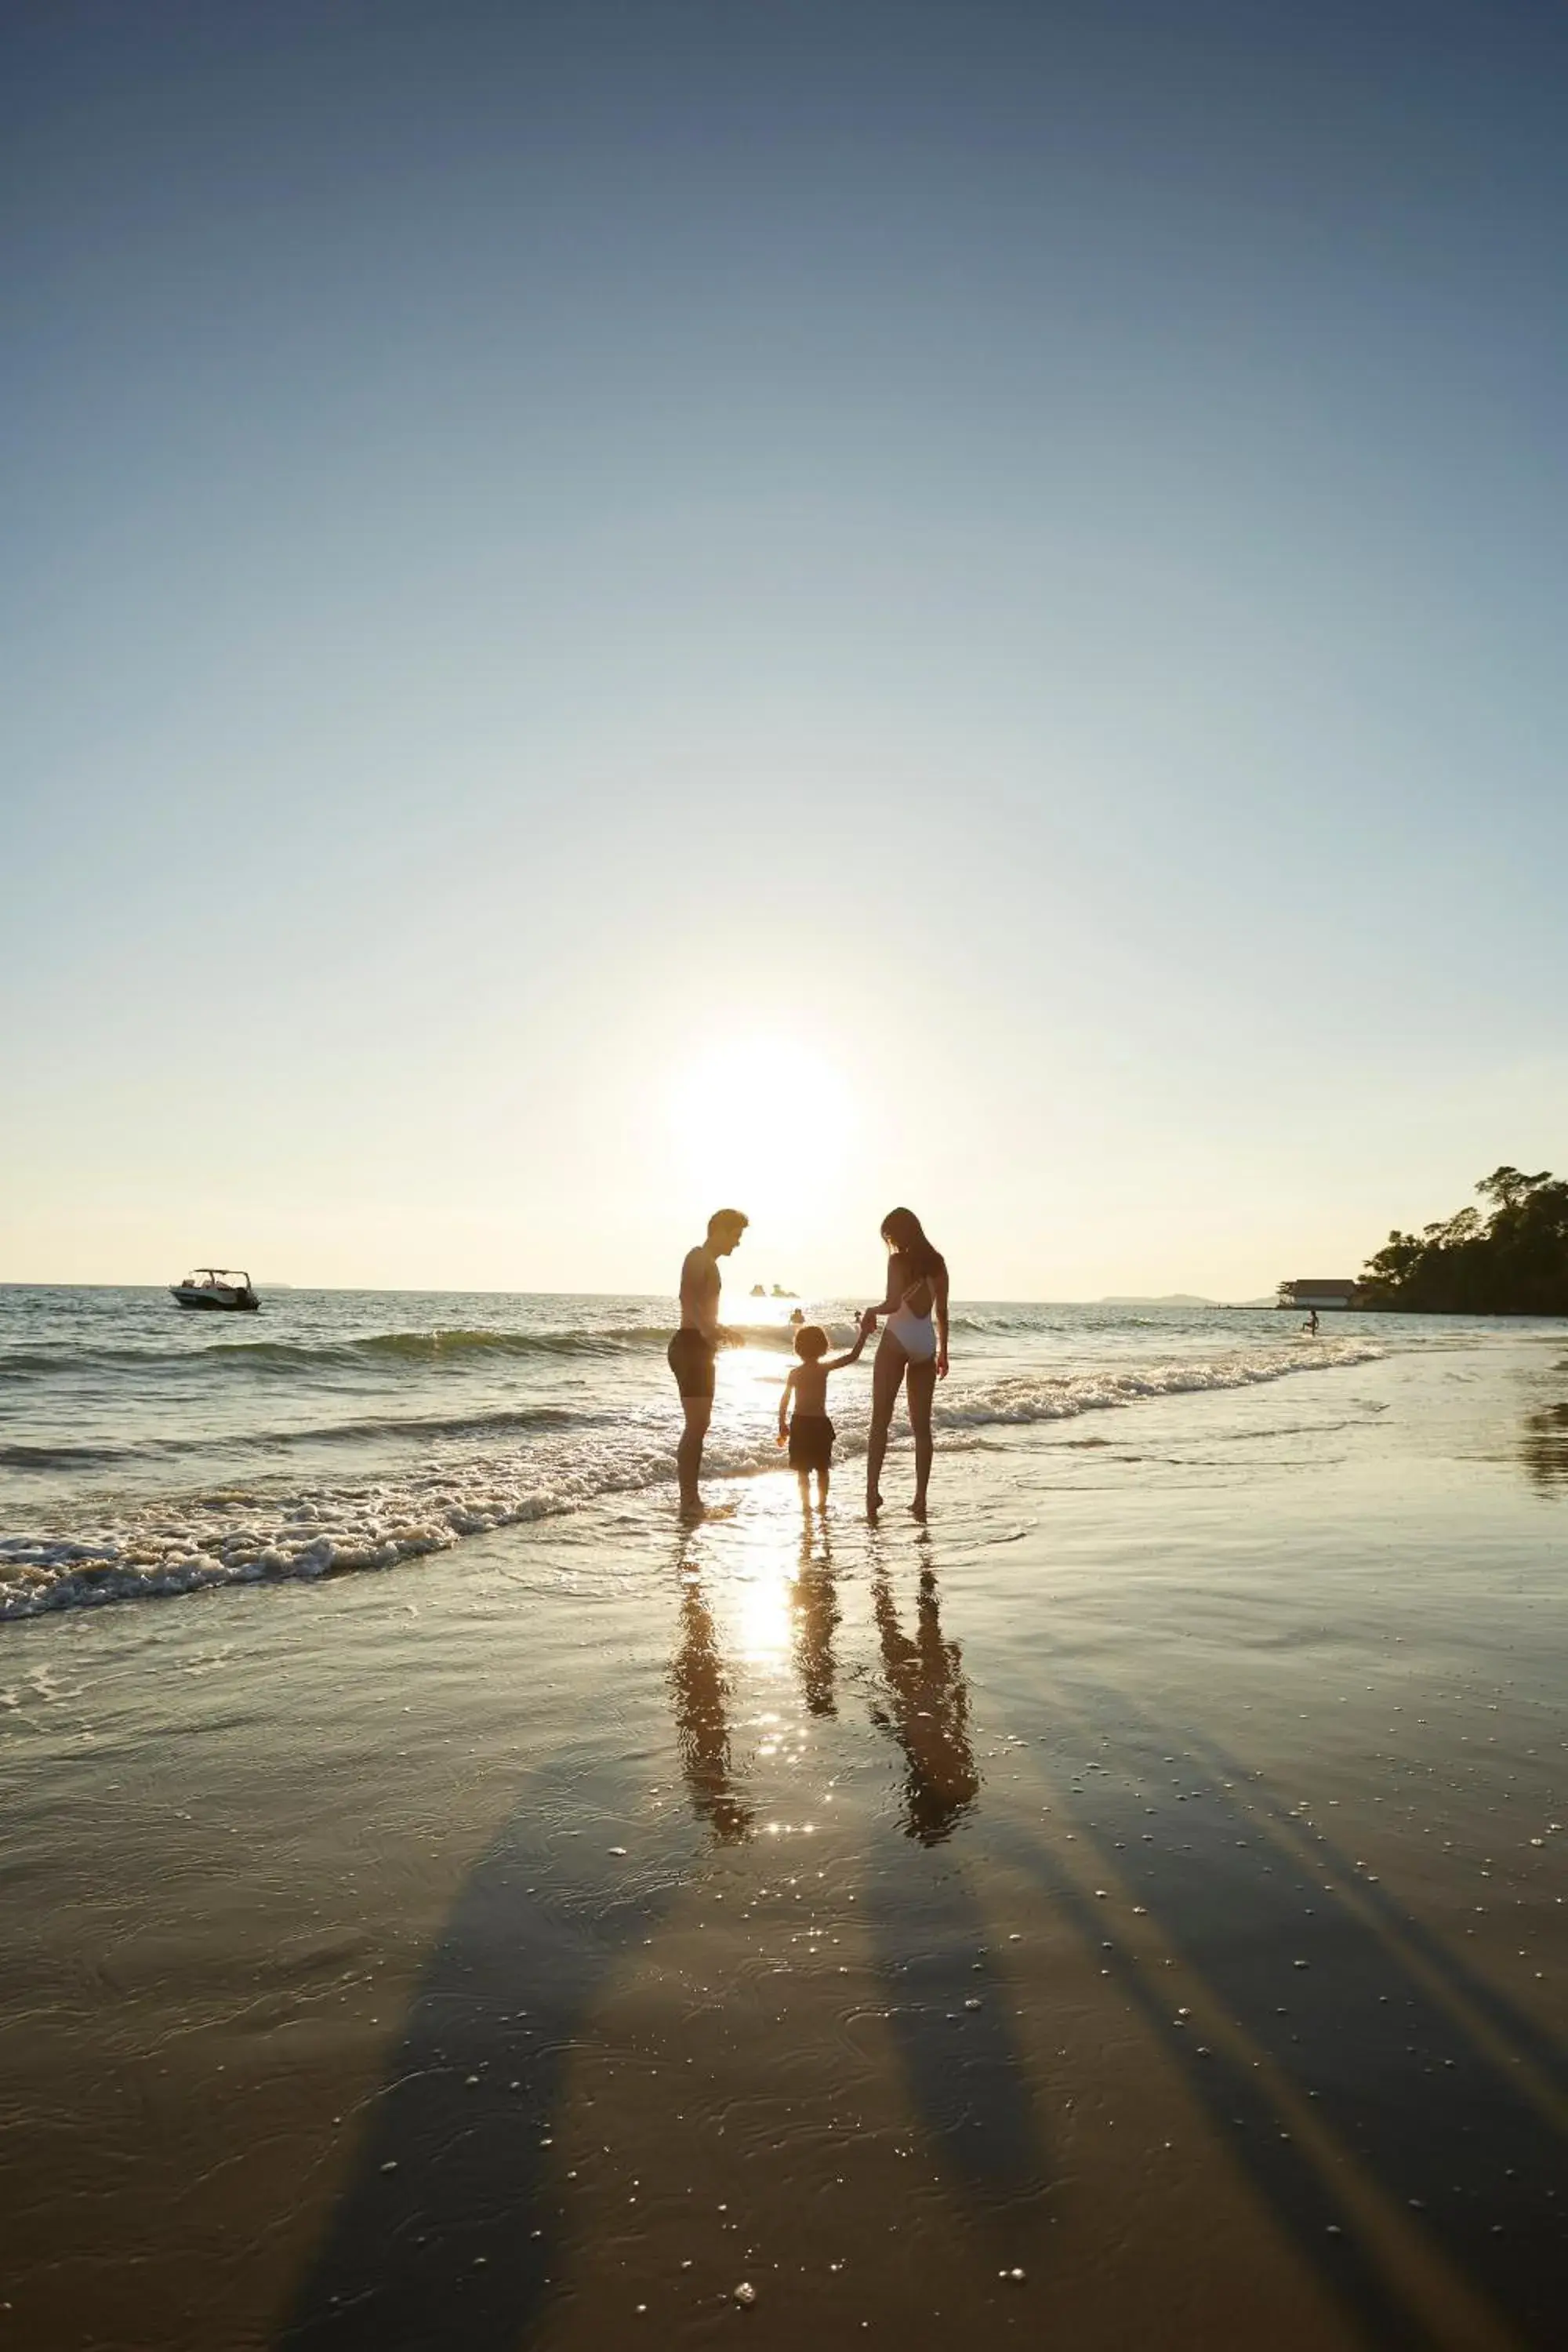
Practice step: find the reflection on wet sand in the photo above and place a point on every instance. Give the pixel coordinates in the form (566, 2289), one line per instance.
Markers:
(816, 1611)
(701, 1688)
(927, 1712)
(1543, 1447)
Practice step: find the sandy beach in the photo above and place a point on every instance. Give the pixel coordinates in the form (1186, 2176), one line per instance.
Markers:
(724, 726)
(1128, 1912)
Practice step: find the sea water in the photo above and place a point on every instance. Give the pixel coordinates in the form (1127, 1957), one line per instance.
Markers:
(1146, 1877)
(146, 1450)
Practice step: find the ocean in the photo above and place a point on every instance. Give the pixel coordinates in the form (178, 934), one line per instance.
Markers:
(1127, 1909)
(148, 1450)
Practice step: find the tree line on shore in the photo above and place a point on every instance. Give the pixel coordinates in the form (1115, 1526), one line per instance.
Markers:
(1510, 1260)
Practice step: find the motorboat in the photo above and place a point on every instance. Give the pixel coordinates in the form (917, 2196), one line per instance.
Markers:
(217, 1287)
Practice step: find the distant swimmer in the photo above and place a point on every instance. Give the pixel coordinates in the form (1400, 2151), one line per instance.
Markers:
(809, 1431)
(695, 1345)
(914, 1349)
(1311, 1322)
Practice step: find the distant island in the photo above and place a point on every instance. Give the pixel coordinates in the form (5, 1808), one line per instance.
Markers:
(1177, 1298)
(1513, 1260)
(1166, 1299)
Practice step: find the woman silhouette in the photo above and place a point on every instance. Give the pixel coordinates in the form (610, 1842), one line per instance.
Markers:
(914, 1349)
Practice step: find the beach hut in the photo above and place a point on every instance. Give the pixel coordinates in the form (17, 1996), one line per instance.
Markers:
(1318, 1291)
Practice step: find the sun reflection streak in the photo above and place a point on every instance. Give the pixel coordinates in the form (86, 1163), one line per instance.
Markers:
(765, 1620)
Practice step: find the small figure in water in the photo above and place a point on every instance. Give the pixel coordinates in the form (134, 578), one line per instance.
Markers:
(810, 1432)
(1311, 1322)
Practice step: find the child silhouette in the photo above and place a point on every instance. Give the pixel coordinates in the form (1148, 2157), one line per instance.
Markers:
(810, 1432)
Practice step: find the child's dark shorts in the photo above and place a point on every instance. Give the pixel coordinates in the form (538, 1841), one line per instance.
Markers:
(811, 1437)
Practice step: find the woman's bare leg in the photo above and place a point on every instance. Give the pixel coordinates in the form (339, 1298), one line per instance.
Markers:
(887, 1370)
(921, 1388)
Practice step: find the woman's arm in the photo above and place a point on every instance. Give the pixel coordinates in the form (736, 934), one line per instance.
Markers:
(939, 1284)
(898, 1283)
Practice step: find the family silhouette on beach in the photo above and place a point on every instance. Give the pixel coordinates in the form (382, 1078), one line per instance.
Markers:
(911, 1356)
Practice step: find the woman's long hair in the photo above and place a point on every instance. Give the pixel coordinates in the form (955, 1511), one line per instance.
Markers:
(904, 1230)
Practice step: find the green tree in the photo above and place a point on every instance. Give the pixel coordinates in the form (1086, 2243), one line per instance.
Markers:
(1514, 1261)
(1507, 1189)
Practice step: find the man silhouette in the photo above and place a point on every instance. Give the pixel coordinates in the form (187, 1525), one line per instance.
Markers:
(695, 1345)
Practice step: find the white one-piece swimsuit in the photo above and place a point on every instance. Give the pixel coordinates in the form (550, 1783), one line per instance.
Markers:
(916, 1334)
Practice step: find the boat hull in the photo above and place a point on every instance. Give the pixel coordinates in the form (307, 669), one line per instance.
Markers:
(209, 1302)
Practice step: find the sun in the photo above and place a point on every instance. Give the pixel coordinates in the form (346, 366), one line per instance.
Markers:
(756, 1118)
(738, 1090)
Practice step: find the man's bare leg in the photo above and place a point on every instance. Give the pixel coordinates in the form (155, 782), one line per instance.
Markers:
(688, 1452)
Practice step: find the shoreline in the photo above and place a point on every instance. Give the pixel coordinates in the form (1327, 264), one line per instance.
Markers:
(262, 1487)
(709, 1839)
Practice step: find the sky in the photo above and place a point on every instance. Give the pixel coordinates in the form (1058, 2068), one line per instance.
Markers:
(609, 608)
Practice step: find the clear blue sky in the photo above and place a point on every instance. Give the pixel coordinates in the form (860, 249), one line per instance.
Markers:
(605, 605)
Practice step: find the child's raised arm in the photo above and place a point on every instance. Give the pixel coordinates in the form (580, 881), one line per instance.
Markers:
(839, 1362)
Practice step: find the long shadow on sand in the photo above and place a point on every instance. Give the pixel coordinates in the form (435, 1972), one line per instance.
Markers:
(450, 2228)
(1374, 2096)
(448, 2233)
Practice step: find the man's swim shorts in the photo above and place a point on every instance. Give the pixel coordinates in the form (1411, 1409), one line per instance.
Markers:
(691, 1360)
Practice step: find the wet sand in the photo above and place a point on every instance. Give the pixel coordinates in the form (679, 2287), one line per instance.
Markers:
(1128, 1912)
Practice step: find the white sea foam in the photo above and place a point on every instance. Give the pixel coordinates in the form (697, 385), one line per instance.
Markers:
(1034, 1396)
(239, 1535)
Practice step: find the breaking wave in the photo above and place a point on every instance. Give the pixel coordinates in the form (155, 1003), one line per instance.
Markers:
(201, 1355)
(374, 1428)
(230, 1534)
(424, 1348)
(420, 1349)
(1035, 1397)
